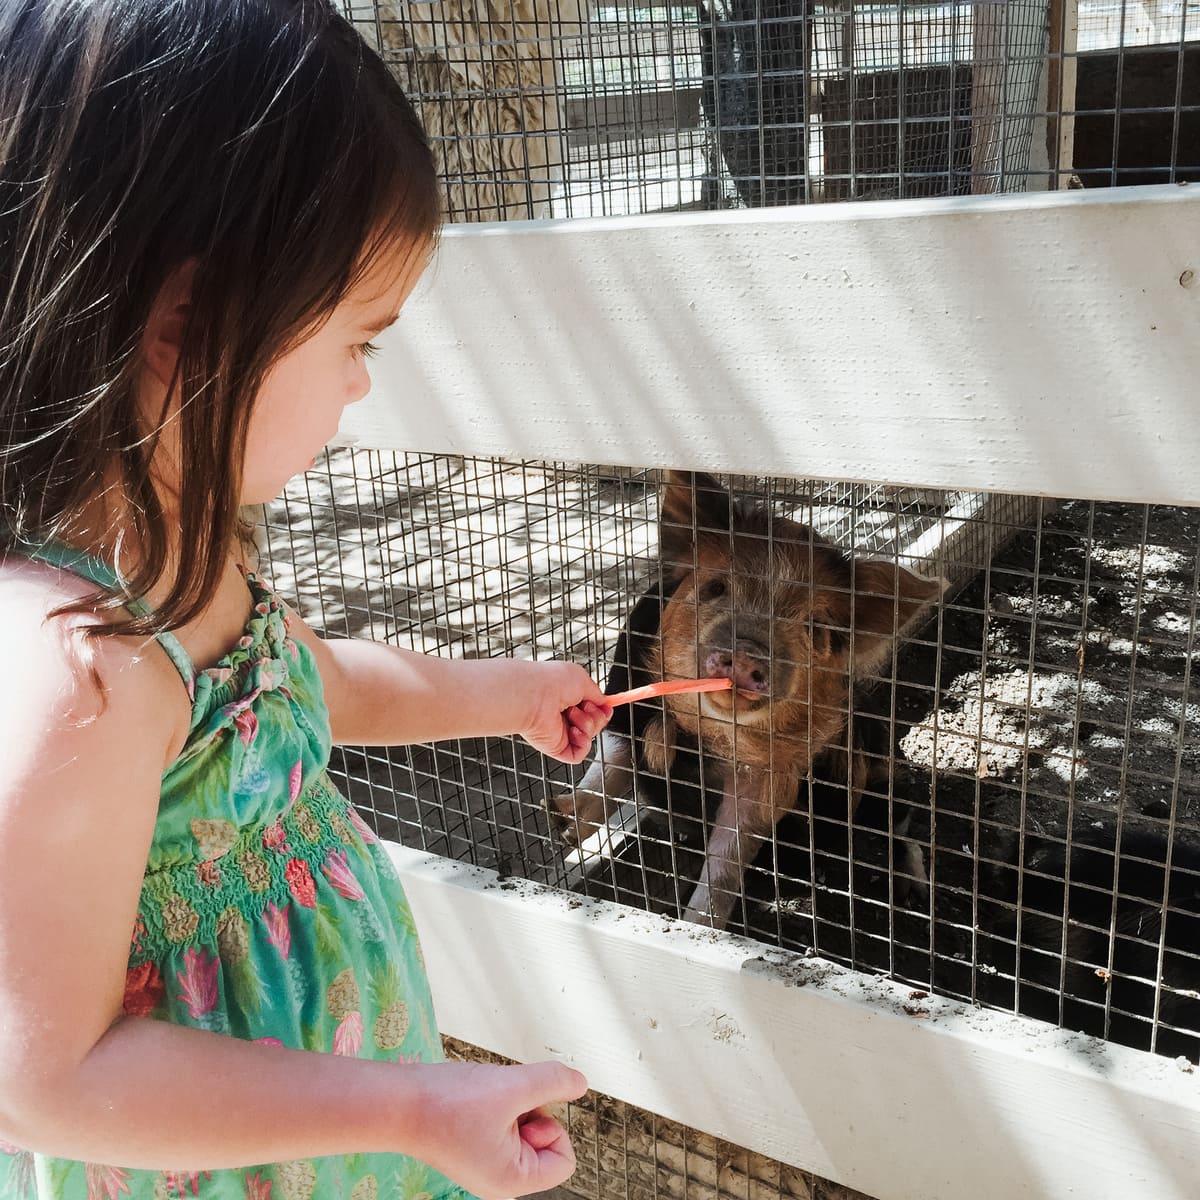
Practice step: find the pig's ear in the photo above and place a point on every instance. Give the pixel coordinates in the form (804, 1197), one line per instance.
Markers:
(885, 599)
(693, 503)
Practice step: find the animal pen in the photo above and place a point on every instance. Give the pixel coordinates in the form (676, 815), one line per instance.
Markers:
(986, 375)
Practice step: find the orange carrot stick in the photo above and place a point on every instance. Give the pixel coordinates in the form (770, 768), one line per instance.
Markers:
(669, 688)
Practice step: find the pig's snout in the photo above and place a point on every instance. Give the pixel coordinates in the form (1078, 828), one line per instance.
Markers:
(748, 665)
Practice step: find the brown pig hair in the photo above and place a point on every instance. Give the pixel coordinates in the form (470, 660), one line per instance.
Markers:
(858, 607)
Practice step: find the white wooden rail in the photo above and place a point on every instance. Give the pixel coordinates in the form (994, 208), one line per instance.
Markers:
(1046, 344)
(903, 1096)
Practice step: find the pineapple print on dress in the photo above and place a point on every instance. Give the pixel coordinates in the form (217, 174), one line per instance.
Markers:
(215, 838)
(180, 919)
(413, 1181)
(297, 1180)
(345, 1006)
(308, 825)
(367, 1188)
(391, 1025)
(255, 870)
(233, 943)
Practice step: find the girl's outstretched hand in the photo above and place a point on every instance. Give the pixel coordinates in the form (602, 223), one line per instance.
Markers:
(488, 1127)
(569, 710)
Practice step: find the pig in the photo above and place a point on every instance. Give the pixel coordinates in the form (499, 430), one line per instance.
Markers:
(793, 622)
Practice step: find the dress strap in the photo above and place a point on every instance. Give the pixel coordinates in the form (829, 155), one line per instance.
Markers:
(173, 648)
(96, 570)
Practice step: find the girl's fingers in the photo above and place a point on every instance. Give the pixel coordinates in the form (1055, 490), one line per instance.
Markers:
(547, 1082)
(539, 1130)
(589, 717)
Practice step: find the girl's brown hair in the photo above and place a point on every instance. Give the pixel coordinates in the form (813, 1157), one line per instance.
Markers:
(261, 139)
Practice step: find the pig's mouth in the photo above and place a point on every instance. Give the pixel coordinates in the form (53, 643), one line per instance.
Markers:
(749, 675)
(739, 704)
(743, 696)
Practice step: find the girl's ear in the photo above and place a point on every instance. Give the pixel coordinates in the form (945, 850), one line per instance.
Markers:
(163, 337)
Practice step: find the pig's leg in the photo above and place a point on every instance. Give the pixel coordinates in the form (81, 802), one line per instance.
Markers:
(912, 888)
(609, 776)
(743, 822)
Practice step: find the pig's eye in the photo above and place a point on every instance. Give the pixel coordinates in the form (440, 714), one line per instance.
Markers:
(714, 589)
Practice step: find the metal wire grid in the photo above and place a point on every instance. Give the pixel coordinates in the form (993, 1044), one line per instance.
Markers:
(570, 108)
(624, 1151)
(629, 1152)
(1041, 744)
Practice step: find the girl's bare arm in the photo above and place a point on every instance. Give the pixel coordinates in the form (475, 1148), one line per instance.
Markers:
(380, 695)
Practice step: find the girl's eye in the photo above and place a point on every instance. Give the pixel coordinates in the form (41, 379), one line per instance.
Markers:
(366, 350)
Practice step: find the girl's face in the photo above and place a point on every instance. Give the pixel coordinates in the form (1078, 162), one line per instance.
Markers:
(305, 392)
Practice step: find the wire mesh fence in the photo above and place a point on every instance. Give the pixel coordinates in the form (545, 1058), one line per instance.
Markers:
(1005, 811)
(565, 108)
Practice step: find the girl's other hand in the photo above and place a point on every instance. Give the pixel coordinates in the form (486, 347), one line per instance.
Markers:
(569, 711)
(489, 1129)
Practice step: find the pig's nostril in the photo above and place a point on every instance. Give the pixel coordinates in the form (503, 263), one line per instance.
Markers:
(718, 663)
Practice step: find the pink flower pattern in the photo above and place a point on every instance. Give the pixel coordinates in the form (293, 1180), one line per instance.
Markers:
(271, 673)
(247, 725)
(348, 1037)
(295, 779)
(105, 1183)
(235, 708)
(279, 931)
(364, 830)
(180, 1183)
(274, 838)
(336, 869)
(300, 882)
(199, 981)
(208, 874)
(258, 1188)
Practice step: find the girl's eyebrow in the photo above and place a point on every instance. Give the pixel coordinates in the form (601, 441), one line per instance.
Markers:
(381, 323)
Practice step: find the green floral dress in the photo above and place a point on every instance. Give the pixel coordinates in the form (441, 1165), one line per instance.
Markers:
(268, 912)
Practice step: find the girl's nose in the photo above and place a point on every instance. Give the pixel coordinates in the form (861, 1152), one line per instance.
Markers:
(359, 386)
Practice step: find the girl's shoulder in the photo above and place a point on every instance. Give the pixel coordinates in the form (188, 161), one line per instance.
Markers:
(54, 676)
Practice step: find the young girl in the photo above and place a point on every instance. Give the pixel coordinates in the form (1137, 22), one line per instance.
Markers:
(209, 980)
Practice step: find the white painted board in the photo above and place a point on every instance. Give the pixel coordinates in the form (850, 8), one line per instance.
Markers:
(1046, 344)
(842, 1074)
